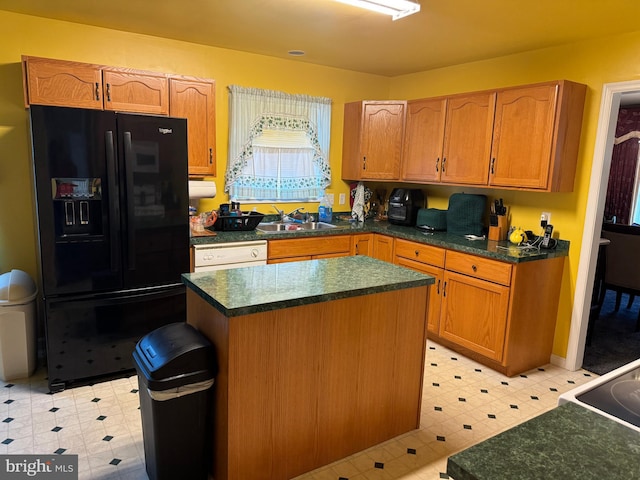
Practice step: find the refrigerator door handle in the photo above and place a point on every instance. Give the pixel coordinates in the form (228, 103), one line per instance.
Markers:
(113, 199)
(128, 166)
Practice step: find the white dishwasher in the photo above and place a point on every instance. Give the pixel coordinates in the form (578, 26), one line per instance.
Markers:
(220, 256)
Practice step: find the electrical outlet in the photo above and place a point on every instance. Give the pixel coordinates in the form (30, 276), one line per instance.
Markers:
(331, 198)
(545, 219)
(343, 198)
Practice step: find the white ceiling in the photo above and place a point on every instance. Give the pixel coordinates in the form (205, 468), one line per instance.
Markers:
(445, 32)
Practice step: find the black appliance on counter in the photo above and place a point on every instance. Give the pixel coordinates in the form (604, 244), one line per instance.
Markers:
(112, 205)
(404, 204)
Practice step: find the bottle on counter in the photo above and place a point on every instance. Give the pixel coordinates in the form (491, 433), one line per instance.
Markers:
(325, 210)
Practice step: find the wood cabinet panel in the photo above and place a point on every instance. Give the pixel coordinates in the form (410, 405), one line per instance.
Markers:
(483, 268)
(474, 314)
(62, 83)
(524, 117)
(133, 91)
(383, 248)
(308, 247)
(423, 140)
(420, 252)
(362, 244)
(194, 99)
(435, 290)
(372, 140)
(467, 139)
(537, 136)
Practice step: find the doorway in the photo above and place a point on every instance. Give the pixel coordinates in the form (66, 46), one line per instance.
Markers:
(612, 95)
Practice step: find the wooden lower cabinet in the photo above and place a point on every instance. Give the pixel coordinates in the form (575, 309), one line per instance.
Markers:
(308, 248)
(500, 314)
(474, 314)
(362, 244)
(383, 248)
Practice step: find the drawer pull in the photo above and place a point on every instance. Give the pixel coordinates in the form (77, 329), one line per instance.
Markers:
(474, 268)
(417, 252)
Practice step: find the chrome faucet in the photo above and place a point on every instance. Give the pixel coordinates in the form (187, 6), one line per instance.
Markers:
(296, 211)
(280, 212)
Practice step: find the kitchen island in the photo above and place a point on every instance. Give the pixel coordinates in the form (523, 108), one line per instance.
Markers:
(318, 360)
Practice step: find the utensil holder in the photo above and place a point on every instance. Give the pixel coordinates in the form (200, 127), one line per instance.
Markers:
(499, 232)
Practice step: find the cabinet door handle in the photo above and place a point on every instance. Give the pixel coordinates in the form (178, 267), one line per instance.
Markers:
(108, 92)
(210, 156)
(364, 163)
(444, 160)
(437, 162)
(438, 287)
(444, 289)
(97, 91)
(493, 163)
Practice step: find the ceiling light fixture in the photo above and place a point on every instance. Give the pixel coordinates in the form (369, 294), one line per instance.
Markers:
(396, 8)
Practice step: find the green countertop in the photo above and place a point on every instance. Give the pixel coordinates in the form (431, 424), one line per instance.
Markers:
(568, 442)
(242, 291)
(503, 250)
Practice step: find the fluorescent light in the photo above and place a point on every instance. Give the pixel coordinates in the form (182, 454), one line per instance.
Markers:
(396, 8)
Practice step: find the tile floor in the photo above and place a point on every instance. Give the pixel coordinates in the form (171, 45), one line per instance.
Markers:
(463, 404)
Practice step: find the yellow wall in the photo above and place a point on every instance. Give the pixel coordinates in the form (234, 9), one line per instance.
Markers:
(593, 63)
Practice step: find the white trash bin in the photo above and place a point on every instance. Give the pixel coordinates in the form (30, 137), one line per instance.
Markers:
(18, 355)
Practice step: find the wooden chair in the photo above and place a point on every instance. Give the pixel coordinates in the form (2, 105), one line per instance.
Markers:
(622, 271)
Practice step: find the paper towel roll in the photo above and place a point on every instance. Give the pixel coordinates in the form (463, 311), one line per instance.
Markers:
(201, 189)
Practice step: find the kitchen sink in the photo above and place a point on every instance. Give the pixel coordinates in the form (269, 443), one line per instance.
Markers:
(277, 227)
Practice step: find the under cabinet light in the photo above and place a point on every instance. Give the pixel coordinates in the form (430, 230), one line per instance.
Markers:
(396, 8)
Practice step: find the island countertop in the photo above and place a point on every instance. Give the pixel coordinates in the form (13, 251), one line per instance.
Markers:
(242, 291)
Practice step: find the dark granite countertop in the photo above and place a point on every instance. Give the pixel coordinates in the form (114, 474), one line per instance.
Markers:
(503, 250)
(242, 291)
(568, 442)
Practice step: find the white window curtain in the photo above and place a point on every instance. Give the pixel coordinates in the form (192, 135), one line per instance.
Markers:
(278, 145)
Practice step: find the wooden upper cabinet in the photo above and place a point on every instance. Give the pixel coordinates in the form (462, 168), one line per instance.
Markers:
(467, 139)
(132, 91)
(372, 140)
(194, 99)
(423, 140)
(62, 83)
(536, 136)
(83, 85)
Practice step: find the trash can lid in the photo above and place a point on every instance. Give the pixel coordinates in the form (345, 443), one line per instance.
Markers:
(16, 287)
(174, 355)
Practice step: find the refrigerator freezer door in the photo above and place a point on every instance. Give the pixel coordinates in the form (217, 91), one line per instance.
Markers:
(93, 336)
(154, 199)
(78, 211)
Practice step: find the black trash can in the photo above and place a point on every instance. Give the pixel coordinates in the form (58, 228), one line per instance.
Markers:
(176, 367)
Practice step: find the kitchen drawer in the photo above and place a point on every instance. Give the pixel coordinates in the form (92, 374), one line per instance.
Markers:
(479, 267)
(297, 247)
(420, 253)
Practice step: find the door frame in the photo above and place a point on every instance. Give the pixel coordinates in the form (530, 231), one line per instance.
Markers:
(609, 106)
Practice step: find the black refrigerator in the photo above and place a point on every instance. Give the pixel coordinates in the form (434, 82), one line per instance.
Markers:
(112, 213)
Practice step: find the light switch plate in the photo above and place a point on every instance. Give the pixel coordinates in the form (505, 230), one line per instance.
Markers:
(331, 198)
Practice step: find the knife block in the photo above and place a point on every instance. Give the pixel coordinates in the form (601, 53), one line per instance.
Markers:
(499, 232)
